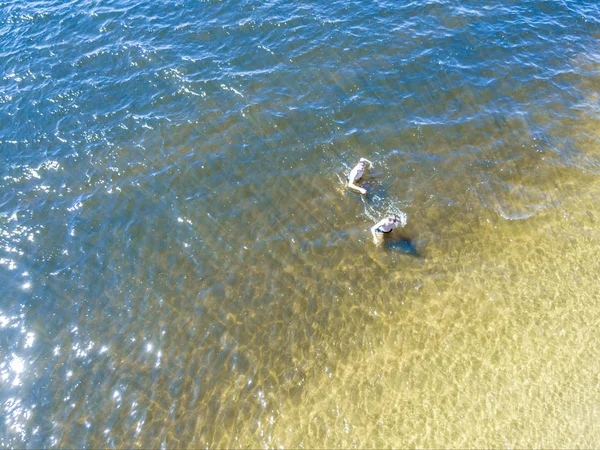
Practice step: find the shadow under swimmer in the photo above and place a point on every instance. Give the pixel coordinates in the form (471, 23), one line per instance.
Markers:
(400, 244)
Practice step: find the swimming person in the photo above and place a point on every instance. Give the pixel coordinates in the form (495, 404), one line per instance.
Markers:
(357, 173)
(384, 226)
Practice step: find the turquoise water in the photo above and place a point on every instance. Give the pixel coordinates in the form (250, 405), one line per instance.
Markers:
(181, 264)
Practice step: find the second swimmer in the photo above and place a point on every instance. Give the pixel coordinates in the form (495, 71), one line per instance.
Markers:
(384, 226)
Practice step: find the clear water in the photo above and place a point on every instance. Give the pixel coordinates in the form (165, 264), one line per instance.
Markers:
(182, 266)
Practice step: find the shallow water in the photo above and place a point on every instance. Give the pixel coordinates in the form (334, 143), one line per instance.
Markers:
(182, 266)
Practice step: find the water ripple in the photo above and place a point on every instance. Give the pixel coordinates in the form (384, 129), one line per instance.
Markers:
(181, 263)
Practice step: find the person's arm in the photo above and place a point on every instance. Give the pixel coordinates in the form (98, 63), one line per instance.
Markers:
(366, 160)
(351, 185)
(374, 232)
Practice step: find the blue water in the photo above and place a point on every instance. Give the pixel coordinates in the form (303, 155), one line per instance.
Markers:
(182, 266)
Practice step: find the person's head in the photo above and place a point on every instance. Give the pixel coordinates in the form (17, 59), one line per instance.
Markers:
(393, 219)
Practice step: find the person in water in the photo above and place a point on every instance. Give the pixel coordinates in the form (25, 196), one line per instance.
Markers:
(356, 174)
(384, 226)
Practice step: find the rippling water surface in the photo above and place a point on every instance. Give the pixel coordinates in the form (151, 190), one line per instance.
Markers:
(182, 266)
